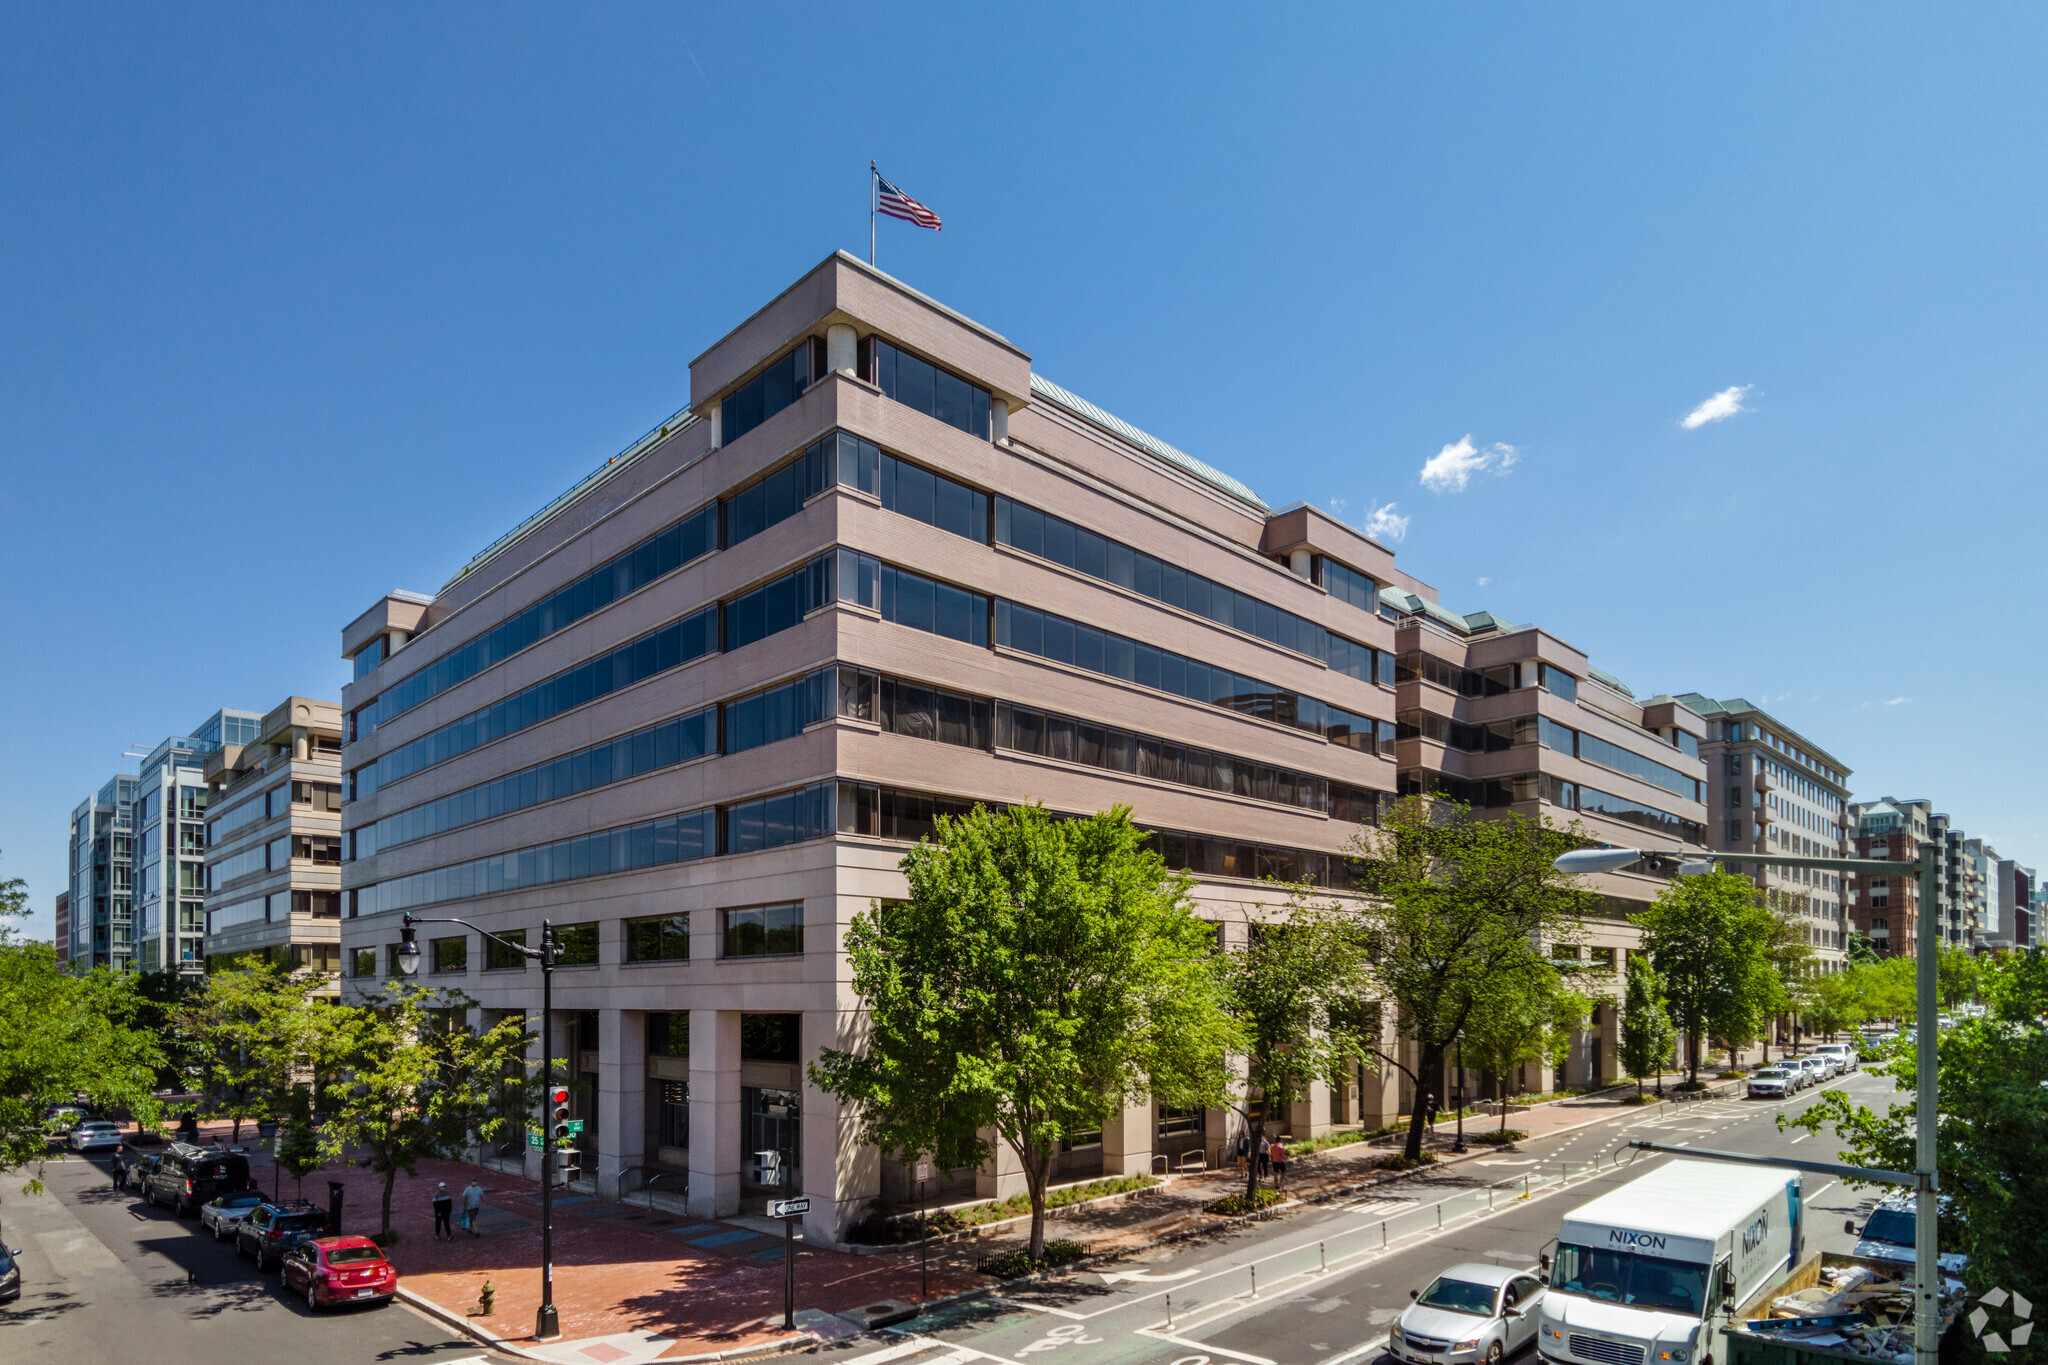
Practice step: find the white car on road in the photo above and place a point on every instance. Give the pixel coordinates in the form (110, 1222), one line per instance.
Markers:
(1843, 1053)
(1471, 1312)
(220, 1214)
(94, 1135)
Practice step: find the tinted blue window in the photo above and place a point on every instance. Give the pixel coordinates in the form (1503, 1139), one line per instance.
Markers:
(770, 391)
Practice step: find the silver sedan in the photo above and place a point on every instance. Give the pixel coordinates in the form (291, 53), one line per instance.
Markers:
(1470, 1313)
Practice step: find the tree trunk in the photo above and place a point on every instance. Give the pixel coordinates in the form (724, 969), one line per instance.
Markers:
(1692, 1059)
(390, 1179)
(1036, 1170)
(1251, 1161)
(1430, 1063)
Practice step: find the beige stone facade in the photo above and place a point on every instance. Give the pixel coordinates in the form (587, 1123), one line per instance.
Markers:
(273, 853)
(694, 711)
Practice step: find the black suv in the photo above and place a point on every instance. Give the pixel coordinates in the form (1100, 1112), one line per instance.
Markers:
(272, 1229)
(187, 1176)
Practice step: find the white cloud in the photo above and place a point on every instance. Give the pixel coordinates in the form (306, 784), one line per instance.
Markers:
(1898, 701)
(1382, 523)
(1726, 403)
(1450, 469)
(1484, 581)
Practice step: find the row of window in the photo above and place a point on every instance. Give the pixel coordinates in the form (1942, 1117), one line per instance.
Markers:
(1076, 547)
(660, 554)
(1579, 797)
(774, 821)
(278, 853)
(277, 906)
(1031, 631)
(1607, 754)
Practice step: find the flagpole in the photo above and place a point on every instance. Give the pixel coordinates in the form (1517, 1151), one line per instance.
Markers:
(873, 191)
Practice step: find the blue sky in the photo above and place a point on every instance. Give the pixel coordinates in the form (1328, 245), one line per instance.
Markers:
(301, 304)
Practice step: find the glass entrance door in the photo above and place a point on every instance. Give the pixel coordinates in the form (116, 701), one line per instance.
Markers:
(774, 1141)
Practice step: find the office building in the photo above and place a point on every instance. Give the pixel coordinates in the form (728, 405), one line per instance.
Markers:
(694, 711)
(2009, 903)
(101, 849)
(1771, 790)
(61, 920)
(273, 840)
(170, 844)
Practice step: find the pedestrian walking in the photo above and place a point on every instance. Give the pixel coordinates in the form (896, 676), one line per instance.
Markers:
(444, 1208)
(1278, 1153)
(1265, 1157)
(472, 1204)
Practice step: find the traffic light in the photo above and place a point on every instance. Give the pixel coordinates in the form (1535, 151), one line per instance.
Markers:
(558, 1101)
(570, 1162)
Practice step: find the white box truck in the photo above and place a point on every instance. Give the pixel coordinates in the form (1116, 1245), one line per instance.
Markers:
(1649, 1274)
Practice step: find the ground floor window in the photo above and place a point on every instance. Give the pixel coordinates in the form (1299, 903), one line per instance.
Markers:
(671, 1104)
(774, 1133)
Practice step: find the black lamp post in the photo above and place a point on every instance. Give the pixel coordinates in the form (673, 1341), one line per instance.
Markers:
(547, 1324)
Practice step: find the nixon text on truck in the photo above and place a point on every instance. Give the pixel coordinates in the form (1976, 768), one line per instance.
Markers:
(1650, 1274)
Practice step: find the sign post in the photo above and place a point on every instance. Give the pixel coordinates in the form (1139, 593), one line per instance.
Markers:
(924, 1284)
(788, 1210)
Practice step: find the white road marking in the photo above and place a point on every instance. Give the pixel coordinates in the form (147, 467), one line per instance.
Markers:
(1822, 1190)
(911, 1347)
(1140, 1277)
(1796, 1141)
(1205, 1346)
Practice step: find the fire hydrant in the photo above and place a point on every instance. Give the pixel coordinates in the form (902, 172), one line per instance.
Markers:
(486, 1300)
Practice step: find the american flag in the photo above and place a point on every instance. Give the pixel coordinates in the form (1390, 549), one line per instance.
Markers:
(897, 204)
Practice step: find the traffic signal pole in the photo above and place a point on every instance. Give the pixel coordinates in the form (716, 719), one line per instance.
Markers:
(547, 1324)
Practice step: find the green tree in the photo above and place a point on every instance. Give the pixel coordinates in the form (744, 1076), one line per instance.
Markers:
(417, 1082)
(1042, 974)
(298, 1145)
(1790, 957)
(1292, 989)
(258, 1032)
(1458, 907)
(1706, 936)
(1992, 1141)
(1957, 976)
(1647, 1033)
(1835, 1004)
(1861, 949)
(1529, 1017)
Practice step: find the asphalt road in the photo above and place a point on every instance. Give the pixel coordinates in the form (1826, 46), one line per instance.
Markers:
(106, 1278)
(1321, 1287)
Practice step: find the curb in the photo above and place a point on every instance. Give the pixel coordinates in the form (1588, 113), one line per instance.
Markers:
(462, 1323)
(1274, 1210)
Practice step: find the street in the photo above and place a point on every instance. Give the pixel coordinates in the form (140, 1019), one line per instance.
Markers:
(106, 1278)
(1263, 1295)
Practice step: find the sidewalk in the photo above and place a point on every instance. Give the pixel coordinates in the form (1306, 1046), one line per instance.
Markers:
(635, 1285)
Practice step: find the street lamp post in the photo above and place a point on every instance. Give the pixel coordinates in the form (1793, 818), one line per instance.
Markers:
(1926, 1176)
(547, 1324)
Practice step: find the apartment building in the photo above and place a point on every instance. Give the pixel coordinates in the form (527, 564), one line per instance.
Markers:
(170, 844)
(101, 854)
(693, 712)
(1886, 910)
(1509, 718)
(1771, 790)
(2009, 904)
(61, 920)
(273, 840)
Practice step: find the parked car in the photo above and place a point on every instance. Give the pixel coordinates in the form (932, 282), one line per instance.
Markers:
(187, 1176)
(332, 1270)
(1774, 1082)
(93, 1135)
(1844, 1055)
(271, 1229)
(1888, 1233)
(1471, 1312)
(62, 1118)
(10, 1272)
(1816, 1070)
(220, 1214)
(1830, 1065)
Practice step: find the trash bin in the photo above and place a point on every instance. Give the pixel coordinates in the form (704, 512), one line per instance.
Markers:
(334, 1193)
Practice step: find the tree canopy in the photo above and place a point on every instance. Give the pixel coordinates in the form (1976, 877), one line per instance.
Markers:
(1647, 1033)
(1459, 907)
(1706, 936)
(1042, 974)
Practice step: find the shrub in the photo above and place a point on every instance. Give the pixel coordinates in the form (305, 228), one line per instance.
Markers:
(1232, 1206)
(1399, 1162)
(1639, 1099)
(1732, 1075)
(1499, 1137)
(1009, 1265)
(1062, 1252)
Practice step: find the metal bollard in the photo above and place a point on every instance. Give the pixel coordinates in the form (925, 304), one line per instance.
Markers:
(1439, 1215)
(1489, 1196)
(1525, 1186)
(1255, 1281)
(1169, 1312)
(1383, 1234)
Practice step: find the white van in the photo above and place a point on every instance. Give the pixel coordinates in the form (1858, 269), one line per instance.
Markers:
(1649, 1274)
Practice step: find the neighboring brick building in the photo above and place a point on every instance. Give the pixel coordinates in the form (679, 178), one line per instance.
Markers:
(1886, 910)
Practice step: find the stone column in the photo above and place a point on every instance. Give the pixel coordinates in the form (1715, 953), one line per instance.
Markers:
(1002, 1175)
(1310, 1116)
(999, 421)
(841, 1177)
(715, 1116)
(842, 349)
(621, 1096)
(1127, 1140)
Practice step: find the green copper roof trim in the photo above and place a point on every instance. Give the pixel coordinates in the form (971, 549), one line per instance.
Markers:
(1050, 392)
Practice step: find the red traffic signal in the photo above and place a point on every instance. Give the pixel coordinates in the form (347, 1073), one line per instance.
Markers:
(559, 1095)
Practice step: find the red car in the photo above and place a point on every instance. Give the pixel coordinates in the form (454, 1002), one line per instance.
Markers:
(331, 1270)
